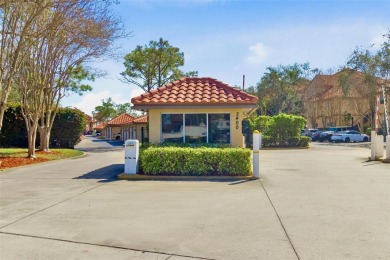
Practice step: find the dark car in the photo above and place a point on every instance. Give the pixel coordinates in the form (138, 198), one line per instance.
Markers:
(315, 136)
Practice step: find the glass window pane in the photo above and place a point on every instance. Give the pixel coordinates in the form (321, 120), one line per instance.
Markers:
(172, 127)
(219, 128)
(195, 128)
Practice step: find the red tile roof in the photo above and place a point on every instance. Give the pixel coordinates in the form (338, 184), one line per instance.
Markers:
(120, 120)
(194, 91)
(141, 120)
(88, 117)
(100, 127)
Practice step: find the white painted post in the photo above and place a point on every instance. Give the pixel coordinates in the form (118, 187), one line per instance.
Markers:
(256, 154)
(379, 146)
(373, 143)
(388, 147)
(256, 140)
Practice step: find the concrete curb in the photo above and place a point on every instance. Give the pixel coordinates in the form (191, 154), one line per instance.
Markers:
(285, 148)
(139, 177)
(384, 160)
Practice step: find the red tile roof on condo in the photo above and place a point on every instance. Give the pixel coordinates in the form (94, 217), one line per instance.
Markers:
(121, 119)
(141, 120)
(324, 87)
(194, 91)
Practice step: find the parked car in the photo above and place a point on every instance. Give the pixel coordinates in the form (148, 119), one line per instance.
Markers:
(350, 136)
(308, 132)
(327, 135)
(315, 136)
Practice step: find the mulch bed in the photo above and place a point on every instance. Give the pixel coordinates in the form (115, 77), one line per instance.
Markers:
(9, 162)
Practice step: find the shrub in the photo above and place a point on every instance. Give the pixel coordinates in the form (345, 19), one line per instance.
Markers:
(68, 126)
(13, 132)
(281, 130)
(301, 141)
(195, 161)
(66, 132)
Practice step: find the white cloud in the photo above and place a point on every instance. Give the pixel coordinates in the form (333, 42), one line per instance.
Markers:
(89, 101)
(380, 38)
(136, 92)
(258, 53)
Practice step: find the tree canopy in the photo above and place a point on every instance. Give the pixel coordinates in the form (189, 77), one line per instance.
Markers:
(154, 65)
(43, 45)
(374, 64)
(279, 87)
(108, 110)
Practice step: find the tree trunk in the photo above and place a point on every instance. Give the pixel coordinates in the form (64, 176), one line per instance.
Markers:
(32, 136)
(2, 110)
(44, 141)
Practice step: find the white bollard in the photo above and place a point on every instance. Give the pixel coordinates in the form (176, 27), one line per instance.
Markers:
(256, 155)
(379, 146)
(373, 145)
(388, 147)
(256, 140)
(256, 164)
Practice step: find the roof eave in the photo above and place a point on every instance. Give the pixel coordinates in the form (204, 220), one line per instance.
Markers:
(195, 106)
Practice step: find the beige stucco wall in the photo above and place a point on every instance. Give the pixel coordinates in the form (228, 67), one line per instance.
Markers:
(336, 108)
(236, 137)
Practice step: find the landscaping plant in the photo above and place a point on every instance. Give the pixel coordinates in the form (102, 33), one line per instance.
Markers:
(202, 161)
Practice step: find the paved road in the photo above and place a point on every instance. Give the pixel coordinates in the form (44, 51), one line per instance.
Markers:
(93, 144)
(327, 202)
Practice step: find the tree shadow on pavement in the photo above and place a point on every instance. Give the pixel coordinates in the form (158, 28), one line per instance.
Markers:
(104, 174)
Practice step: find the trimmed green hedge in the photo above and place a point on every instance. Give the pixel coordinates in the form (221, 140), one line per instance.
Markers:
(195, 161)
(300, 141)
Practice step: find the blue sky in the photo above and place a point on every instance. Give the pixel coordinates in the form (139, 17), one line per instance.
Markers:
(226, 39)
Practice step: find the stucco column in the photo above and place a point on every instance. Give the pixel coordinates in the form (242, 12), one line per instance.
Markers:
(379, 146)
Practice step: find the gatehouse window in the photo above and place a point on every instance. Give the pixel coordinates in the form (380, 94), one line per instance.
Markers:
(195, 128)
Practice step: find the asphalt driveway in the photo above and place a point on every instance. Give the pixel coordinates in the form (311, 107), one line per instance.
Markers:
(322, 203)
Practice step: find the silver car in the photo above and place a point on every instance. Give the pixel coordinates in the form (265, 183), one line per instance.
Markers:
(349, 136)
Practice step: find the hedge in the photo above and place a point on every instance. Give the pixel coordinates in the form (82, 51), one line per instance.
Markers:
(195, 161)
(300, 141)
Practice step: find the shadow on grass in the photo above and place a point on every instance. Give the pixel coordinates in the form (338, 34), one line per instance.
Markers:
(105, 174)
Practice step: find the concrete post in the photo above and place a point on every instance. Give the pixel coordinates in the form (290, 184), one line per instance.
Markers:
(373, 143)
(388, 147)
(256, 155)
(379, 146)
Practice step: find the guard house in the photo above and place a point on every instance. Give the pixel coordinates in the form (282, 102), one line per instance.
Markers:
(195, 110)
